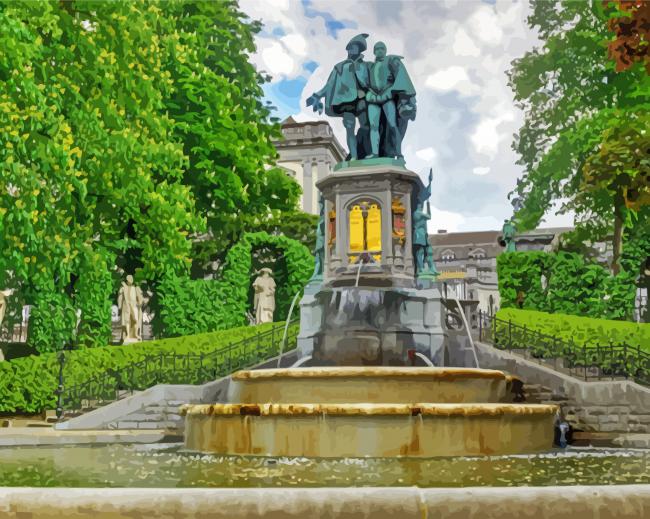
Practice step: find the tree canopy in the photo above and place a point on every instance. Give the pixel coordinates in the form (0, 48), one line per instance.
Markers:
(584, 140)
(125, 129)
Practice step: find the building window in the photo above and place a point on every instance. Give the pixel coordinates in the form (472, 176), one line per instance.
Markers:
(477, 254)
(448, 255)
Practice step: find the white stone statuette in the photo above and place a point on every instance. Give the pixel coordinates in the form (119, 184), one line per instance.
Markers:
(264, 301)
(129, 302)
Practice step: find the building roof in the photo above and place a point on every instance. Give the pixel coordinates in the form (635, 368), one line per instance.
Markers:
(309, 135)
(463, 238)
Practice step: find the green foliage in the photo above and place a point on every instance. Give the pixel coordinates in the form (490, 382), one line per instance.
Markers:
(223, 303)
(28, 384)
(572, 97)
(125, 127)
(217, 113)
(573, 286)
(296, 225)
(581, 330)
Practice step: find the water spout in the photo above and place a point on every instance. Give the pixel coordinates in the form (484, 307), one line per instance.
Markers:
(464, 318)
(356, 283)
(301, 361)
(426, 359)
(286, 327)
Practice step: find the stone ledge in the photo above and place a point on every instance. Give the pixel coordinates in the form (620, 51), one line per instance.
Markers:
(604, 502)
(31, 436)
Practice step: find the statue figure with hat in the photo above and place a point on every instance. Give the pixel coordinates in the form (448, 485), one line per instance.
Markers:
(391, 101)
(264, 299)
(508, 238)
(345, 93)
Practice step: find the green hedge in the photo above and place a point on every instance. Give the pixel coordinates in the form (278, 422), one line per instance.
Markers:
(573, 286)
(28, 384)
(581, 330)
(223, 303)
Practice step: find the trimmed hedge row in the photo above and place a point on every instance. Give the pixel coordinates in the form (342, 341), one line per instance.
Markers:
(28, 384)
(564, 283)
(581, 330)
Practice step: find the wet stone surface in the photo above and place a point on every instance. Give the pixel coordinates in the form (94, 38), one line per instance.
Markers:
(169, 466)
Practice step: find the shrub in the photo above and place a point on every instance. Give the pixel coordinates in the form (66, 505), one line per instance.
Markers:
(28, 384)
(223, 303)
(581, 330)
(572, 286)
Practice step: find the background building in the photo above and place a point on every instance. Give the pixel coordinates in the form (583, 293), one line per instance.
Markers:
(308, 152)
(467, 261)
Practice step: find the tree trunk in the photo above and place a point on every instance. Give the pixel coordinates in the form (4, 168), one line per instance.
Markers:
(617, 245)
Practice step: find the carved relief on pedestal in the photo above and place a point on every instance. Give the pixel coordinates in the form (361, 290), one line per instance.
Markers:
(331, 229)
(399, 230)
(364, 221)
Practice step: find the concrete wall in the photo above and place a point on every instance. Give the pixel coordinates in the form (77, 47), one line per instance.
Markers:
(577, 502)
(598, 406)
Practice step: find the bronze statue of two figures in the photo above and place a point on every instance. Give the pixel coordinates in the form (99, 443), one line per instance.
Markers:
(379, 94)
(381, 97)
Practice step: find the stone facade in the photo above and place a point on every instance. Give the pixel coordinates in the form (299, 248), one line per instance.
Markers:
(308, 152)
(467, 261)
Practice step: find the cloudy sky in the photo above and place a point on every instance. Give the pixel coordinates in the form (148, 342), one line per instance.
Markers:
(457, 53)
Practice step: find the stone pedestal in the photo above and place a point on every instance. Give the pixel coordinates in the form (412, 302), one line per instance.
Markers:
(369, 309)
(382, 198)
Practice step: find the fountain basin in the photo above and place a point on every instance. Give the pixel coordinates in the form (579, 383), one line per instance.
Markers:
(375, 430)
(375, 385)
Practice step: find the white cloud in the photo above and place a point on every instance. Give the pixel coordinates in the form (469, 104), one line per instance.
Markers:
(295, 43)
(457, 56)
(277, 61)
(464, 45)
(487, 137)
(486, 25)
(446, 220)
(426, 154)
(447, 79)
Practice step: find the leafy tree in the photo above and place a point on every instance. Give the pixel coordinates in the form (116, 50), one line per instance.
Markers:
(226, 131)
(93, 169)
(631, 25)
(619, 172)
(124, 128)
(571, 96)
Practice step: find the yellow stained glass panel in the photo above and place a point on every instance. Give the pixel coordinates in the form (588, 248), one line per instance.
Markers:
(374, 228)
(356, 229)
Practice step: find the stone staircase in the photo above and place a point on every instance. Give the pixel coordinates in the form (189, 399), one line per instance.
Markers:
(540, 394)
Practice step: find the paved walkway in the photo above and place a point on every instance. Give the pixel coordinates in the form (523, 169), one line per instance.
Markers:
(33, 436)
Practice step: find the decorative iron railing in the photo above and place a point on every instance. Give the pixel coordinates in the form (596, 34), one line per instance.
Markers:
(606, 361)
(171, 368)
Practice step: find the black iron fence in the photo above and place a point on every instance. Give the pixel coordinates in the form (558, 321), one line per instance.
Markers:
(171, 368)
(605, 361)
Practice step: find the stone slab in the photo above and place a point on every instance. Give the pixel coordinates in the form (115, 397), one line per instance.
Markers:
(30, 436)
(567, 502)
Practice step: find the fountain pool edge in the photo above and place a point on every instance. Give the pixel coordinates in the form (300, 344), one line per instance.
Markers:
(567, 502)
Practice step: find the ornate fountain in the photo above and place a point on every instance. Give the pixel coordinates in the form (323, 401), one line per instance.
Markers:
(377, 375)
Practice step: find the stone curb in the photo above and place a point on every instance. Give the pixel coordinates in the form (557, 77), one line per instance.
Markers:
(35, 436)
(604, 502)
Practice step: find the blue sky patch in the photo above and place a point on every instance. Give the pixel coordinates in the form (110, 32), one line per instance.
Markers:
(285, 96)
(332, 25)
(310, 66)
